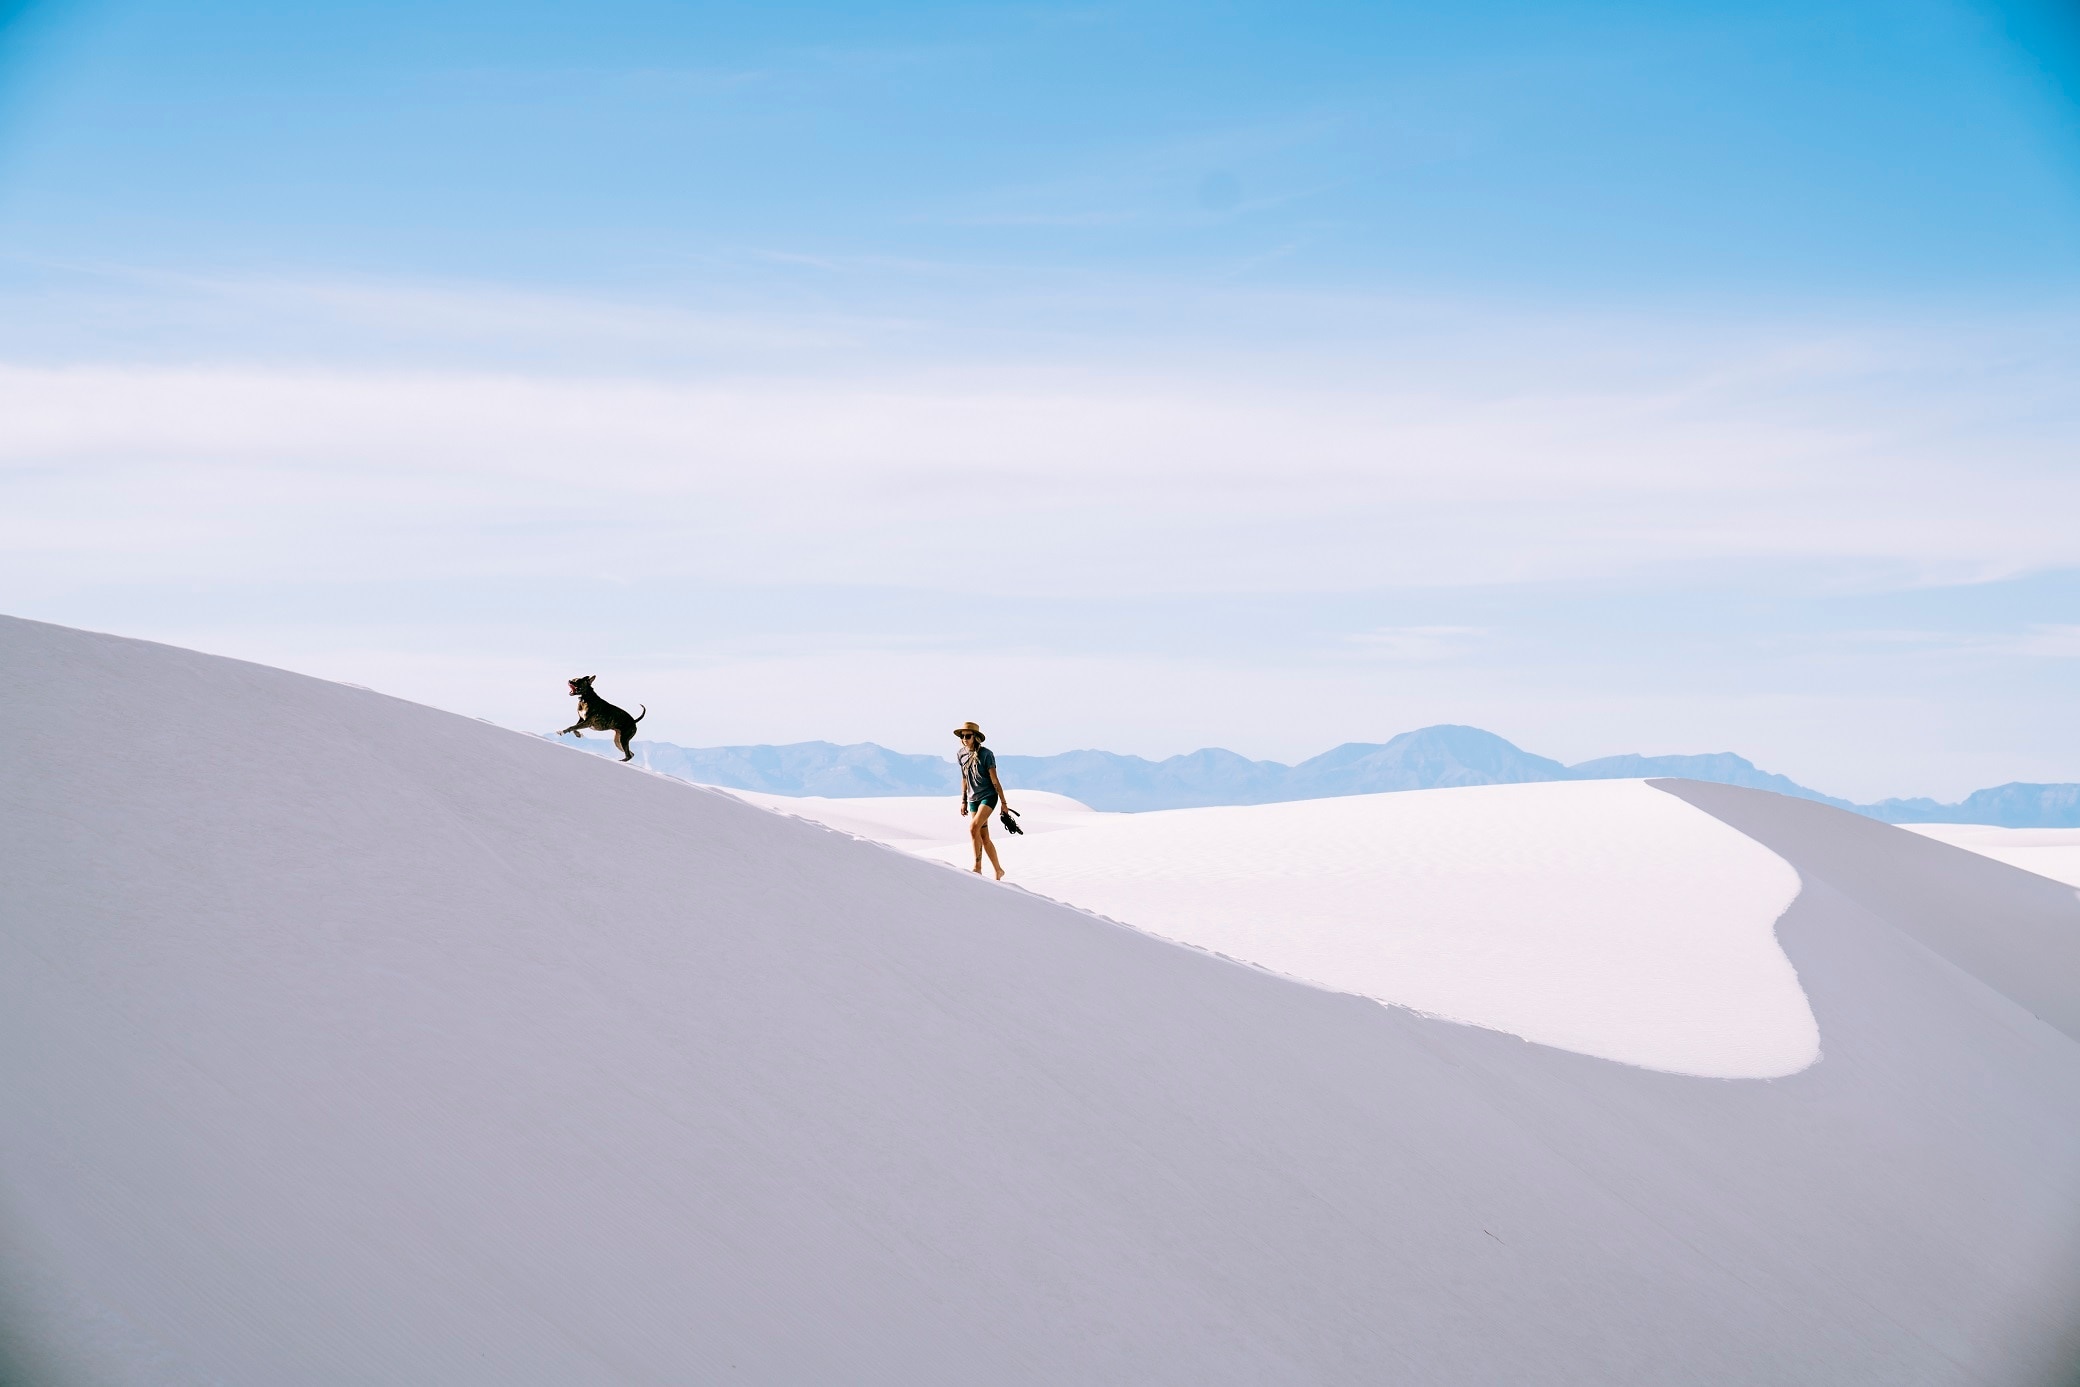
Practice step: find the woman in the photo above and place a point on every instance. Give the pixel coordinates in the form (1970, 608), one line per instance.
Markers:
(981, 792)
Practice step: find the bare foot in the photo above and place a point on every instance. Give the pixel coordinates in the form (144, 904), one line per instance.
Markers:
(978, 870)
(1000, 873)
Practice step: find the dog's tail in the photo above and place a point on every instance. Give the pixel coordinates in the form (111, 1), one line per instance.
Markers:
(644, 714)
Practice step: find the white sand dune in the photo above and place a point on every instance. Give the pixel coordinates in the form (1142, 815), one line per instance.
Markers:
(925, 825)
(343, 1041)
(2049, 852)
(1603, 916)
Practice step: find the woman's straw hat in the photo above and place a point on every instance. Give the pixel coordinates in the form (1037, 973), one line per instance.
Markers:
(970, 727)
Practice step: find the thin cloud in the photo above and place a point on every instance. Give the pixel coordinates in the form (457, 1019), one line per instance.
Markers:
(1417, 644)
(1098, 476)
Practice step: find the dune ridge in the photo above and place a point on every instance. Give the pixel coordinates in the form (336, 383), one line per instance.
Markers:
(433, 1053)
(1602, 917)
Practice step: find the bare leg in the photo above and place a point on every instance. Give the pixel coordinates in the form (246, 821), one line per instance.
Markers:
(978, 833)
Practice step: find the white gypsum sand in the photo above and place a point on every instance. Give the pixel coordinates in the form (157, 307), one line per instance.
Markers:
(925, 823)
(1603, 917)
(2049, 852)
(373, 1044)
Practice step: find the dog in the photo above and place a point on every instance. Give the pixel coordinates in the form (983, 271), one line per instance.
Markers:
(599, 715)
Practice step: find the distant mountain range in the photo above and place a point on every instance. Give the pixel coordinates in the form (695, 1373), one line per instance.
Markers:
(1426, 759)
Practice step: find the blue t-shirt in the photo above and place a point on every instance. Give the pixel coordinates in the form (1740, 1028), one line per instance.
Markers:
(976, 765)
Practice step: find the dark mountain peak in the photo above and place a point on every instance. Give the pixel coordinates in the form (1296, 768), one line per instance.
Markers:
(2018, 804)
(1220, 758)
(1707, 766)
(1446, 754)
(1720, 767)
(1107, 780)
(1454, 734)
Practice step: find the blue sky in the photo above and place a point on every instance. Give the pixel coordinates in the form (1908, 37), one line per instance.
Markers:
(1618, 377)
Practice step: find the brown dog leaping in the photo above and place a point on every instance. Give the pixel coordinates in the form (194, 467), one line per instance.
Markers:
(598, 715)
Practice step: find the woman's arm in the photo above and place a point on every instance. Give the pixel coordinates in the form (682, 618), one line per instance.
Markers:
(1002, 802)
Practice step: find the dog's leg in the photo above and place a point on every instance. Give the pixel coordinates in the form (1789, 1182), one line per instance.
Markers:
(571, 729)
(621, 740)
